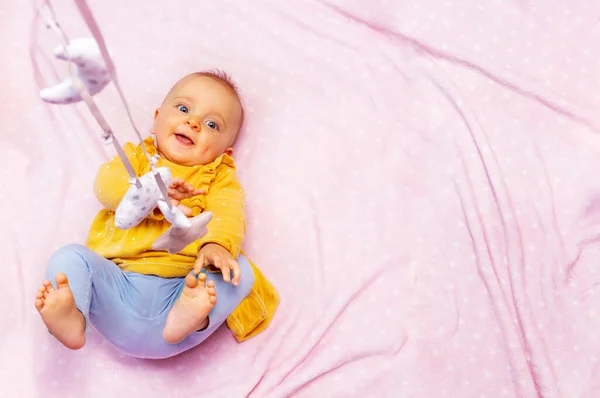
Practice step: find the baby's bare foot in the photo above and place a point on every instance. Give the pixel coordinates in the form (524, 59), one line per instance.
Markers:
(190, 312)
(58, 311)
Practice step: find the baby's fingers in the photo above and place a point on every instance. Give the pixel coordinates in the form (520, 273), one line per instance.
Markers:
(175, 194)
(226, 271)
(237, 272)
(199, 264)
(176, 182)
(187, 187)
(223, 265)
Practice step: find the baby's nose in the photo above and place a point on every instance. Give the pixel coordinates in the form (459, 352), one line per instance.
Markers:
(193, 124)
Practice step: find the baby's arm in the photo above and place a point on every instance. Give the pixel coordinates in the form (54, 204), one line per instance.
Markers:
(112, 180)
(225, 199)
(220, 247)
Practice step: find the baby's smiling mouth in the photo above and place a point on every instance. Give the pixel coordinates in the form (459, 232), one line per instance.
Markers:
(184, 139)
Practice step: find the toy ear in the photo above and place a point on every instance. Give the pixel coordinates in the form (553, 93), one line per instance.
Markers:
(176, 239)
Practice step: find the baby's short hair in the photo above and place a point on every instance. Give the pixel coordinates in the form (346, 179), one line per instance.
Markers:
(225, 79)
(221, 76)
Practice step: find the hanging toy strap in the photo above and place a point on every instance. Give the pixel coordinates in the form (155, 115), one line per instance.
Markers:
(95, 30)
(86, 13)
(108, 135)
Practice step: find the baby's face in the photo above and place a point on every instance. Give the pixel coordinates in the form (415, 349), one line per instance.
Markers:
(198, 121)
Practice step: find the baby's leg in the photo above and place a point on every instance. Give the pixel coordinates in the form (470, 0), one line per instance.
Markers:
(63, 300)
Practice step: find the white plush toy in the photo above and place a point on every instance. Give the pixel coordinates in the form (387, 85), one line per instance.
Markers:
(139, 202)
(90, 69)
(93, 71)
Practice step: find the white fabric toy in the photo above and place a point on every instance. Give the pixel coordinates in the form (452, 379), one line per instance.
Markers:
(139, 202)
(90, 68)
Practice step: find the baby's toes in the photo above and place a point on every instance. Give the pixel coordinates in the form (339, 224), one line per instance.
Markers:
(48, 288)
(212, 295)
(191, 281)
(39, 304)
(47, 292)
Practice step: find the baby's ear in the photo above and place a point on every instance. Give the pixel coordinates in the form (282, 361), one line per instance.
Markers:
(229, 151)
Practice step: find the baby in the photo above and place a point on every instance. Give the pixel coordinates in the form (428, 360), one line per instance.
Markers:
(148, 303)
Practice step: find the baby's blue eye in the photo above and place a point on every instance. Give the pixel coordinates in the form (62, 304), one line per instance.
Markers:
(183, 108)
(211, 125)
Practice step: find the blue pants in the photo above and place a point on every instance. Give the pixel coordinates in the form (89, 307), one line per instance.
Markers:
(130, 309)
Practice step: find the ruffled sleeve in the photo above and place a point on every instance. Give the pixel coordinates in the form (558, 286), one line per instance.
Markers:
(225, 199)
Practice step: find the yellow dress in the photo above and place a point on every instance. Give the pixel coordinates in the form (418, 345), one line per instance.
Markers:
(131, 249)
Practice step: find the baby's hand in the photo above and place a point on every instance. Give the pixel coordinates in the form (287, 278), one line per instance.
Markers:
(217, 255)
(179, 190)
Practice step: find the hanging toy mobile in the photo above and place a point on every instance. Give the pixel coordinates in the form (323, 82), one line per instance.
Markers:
(90, 70)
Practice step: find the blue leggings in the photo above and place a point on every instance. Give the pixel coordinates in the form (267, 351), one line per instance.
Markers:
(130, 309)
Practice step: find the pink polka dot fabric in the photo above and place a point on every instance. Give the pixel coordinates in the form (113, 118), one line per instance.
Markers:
(421, 181)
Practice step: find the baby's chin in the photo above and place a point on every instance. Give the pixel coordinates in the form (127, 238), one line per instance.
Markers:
(184, 159)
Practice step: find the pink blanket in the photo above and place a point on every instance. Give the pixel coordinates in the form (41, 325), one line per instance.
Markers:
(421, 190)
